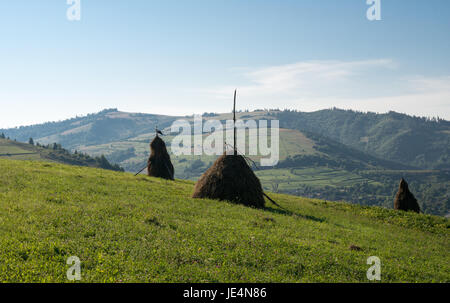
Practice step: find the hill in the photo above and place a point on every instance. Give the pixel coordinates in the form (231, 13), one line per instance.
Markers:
(393, 138)
(138, 229)
(340, 173)
(413, 141)
(311, 166)
(106, 126)
(53, 152)
(326, 154)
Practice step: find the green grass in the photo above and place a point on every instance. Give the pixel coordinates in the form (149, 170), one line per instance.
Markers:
(12, 150)
(142, 229)
(8, 147)
(316, 177)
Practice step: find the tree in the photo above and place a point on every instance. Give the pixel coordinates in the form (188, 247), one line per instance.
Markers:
(2, 136)
(103, 162)
(31, 142)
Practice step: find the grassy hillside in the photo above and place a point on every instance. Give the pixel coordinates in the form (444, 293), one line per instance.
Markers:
(136, 229)
(54, 152)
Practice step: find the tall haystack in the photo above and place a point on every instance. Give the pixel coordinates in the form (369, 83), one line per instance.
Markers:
(404, 199)
(230, 178)
(159, 164)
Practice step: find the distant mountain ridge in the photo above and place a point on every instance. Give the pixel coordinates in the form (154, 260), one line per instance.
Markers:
(414, 141)
(331, 154)
(102, 127)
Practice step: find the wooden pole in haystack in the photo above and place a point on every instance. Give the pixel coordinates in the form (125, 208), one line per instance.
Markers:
(140, 171)
(231, 178)
(234, 123)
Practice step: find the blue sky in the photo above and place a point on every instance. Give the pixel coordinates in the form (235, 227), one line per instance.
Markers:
(185, 57)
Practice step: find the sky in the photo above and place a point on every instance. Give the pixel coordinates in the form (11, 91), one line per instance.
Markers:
(185, 57)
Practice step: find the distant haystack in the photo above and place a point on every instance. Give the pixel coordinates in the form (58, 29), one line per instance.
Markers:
(159, 164)
(230, 178)
(404, 199)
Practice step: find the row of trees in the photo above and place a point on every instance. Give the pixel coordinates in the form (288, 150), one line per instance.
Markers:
(77, 158)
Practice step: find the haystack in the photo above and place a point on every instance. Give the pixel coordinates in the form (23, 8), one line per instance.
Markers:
(159, 164)
(230, 178)
(404, 199)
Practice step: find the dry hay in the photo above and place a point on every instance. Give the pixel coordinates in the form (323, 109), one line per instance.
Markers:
(230, 178)
(159, 164)
(404, 199)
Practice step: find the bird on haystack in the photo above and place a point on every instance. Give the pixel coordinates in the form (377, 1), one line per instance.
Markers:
(158, 132)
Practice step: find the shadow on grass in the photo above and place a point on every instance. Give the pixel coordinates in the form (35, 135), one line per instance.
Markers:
(290, 213)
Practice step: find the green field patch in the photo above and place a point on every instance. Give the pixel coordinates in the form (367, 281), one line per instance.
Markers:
(288, 179)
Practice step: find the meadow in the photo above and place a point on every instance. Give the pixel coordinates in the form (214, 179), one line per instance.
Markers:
(315, 177)
(142, 229)
(14, 150)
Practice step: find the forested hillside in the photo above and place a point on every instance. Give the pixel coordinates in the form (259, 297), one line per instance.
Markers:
(414, 141)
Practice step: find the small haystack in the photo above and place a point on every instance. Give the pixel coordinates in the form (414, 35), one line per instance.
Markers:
(230, 178)
(404, 199)
(159, 164)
